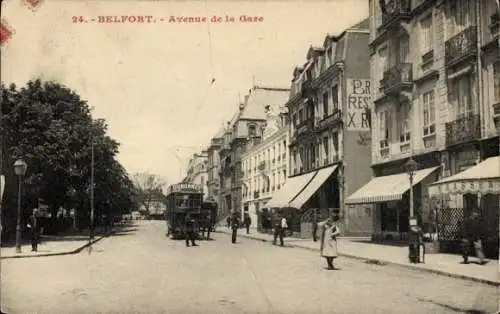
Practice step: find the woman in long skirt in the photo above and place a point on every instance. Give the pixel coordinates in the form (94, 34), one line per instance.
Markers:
(330, 231)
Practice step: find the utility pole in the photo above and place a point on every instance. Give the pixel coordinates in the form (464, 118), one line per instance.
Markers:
(91, 229)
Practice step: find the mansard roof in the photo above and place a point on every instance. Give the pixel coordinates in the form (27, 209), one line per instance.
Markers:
(259, 98)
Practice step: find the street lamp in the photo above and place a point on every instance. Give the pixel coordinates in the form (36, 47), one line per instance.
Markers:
(411, 166)
(20, 167)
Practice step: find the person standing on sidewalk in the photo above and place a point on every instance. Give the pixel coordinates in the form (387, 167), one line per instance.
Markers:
(247, 221)
(33, 225)
(315, 225)
(471, 237)
(235, 224)
(228, 221)
(330, 231)
(280, 225)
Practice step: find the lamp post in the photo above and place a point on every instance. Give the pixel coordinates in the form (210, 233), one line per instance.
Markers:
(20, 167)
(411, 166)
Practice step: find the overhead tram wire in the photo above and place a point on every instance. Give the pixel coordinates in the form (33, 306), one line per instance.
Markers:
(212, 81)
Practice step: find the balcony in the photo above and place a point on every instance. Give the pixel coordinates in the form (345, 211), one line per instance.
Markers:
(256, 194)
(397, 79)
(461, 47)
(307, 89)
(396, 11)
(463, 130)
(333, 120)
(305, 126)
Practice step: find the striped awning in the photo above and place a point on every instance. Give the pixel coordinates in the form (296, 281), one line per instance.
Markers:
(387, 188)
(483, 178)
(289, 190)
(313, 186)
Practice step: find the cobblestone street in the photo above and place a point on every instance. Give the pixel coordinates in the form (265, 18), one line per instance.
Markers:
(142, 271)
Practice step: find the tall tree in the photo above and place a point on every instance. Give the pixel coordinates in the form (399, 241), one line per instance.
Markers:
(149, 188)
(51, 128)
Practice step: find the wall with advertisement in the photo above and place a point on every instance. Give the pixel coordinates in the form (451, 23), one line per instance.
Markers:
(358, 98)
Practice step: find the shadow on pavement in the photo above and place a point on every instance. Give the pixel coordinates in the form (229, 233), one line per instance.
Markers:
(453, 308)
(397, 243)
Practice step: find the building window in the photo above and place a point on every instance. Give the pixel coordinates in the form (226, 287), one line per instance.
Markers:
(382, 63)
(426, 35)
(335, 97)
(325, 104)
(496, 81)
(385, 128)
(252, 131)
(429, 112)
(404, 49)
(462, 14)
(404, 124)
(301, 115)
(326, 150)
(335, 142)
(461, 96)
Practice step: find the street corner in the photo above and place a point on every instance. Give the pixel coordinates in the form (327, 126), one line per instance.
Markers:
(6, 32)
(33, 5)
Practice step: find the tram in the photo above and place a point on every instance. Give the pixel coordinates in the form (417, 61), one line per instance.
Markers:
(182, 199)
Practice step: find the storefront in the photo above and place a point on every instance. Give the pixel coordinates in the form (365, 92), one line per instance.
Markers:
(455, 197)
(389, 196)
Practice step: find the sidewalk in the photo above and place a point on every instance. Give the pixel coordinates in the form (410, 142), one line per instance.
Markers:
(442, 264)
(54, 245)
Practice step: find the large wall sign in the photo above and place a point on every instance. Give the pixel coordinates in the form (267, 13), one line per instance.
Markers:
(358, 105)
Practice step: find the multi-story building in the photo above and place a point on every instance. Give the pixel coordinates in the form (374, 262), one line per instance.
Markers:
(265, 163)
(432, 69)
(329, 132)
(247, 123)
(213, 179)
(197, 171)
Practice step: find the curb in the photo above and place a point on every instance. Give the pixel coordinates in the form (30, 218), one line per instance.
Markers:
(75, 251)
(383, 262)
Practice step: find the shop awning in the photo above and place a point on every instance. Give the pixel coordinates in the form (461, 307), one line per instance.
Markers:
(483, 178)
(289, 190)
(316, 182)
(387, 188)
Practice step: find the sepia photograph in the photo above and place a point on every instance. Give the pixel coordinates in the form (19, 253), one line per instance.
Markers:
(249, 156)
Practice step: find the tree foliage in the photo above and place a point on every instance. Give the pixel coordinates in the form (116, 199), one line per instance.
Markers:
(51, 128)
(149, 188)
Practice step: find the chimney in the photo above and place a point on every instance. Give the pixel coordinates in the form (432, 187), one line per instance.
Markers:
(242, 106)
(266, 108)
(246, 98)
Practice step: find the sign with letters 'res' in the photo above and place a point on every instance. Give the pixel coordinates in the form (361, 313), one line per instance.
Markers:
(358, 116)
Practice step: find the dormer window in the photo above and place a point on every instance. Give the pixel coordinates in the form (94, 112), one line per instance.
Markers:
(252, 130)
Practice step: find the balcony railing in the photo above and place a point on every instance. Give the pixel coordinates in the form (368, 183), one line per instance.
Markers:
(331, 120)
(397, 78)
(461, 46)
(395, 12)
(305, 126)
(463, 130)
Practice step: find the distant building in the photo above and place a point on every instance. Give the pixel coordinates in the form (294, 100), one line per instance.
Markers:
(213, 179)
(197, 171)
(265, 163)
(247, 123)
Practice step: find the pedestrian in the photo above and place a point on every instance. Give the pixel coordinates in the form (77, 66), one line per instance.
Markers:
(247, 221)
(416, 248)
(33, 226)
(330, 231)
(228, 220)
(189, 230)
(209, 226)
(280, 225)
(235, 224)
(315, 225)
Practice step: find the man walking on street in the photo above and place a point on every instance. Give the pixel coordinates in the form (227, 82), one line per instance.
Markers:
(235, 224)
(280, 225)
(189, 230)
(33, 225)
(247, 221)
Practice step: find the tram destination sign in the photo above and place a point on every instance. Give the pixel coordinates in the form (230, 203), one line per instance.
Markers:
(186, 187)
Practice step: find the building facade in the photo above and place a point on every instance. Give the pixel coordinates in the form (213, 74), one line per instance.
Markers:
(213, 178)
(330, 132)
(197, 171)
(265, 163)
(245, 125)
(432, 70)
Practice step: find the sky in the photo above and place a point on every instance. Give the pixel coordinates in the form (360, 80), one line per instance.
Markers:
(152, 82)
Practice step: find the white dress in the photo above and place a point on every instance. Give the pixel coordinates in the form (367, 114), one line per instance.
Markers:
(329, 241)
